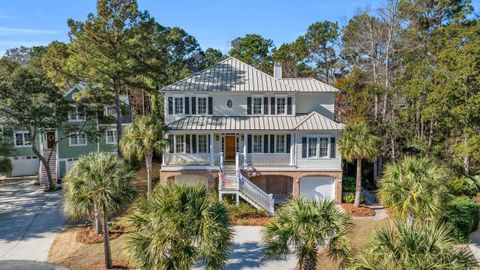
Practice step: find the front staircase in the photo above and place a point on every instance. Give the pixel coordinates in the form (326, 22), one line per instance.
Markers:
(53, 166)
(236, 183)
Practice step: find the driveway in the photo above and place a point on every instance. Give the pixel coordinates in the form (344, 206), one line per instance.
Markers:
(246, 252)
(29, 221)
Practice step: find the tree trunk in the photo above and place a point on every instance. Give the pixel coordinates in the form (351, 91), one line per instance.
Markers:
(148, 162)
(106, 242)
(358, 186)
(45, 162)
(98, 228)
(118, 120)
(309, 263)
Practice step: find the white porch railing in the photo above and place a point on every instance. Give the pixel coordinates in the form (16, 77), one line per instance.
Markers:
(187, 159)
(268, 158)
(256, 194)
(205, 159)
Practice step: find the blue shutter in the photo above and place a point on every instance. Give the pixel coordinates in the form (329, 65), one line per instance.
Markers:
(187, 105)
(194, 105)
(333, 147)
(249, 143)
(187, 143)
(289, 143)
(304, 147)
(272, 106)
(170, 143)
(170, 105)
(265, 144)
(210, 105)
(272, 143)
(265, 105)
(249, 105)
(289, 105)
(194, 144)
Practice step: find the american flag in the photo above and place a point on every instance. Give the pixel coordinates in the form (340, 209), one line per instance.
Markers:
(222, 178)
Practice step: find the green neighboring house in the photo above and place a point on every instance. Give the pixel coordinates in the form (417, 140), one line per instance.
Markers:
(68, 148)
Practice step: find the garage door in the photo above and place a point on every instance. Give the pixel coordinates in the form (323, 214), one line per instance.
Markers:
(317, 187)
(69, 164)
(25, 166)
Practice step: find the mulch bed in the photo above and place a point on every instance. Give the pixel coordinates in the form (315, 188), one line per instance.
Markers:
(117, 265)
(87, 235)
(362, 211)
(254, 221)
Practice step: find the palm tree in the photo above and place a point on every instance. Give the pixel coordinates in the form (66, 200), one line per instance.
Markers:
(358, 143)
(414, 188)
(303, 227)
(179, 226)
(413, 246)
(101, 182)
(142, 139)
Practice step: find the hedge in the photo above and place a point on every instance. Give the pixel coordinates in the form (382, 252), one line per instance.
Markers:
(463, 214)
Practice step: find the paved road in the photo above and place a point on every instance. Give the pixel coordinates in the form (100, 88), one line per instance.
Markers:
(29, 221)
(246, 252)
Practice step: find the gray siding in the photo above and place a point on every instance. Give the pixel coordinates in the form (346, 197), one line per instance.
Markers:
(319, 102)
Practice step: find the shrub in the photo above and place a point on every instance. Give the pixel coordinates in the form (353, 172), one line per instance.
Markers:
(245, 211)
(463, 214)
(348, 197)
(466, 185)
(349, 184)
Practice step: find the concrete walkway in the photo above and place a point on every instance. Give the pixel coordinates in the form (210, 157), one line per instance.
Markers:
(29, 221)
(246, 252)
(30, 265)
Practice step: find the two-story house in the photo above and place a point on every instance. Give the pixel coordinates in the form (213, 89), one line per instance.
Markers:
(270, 136)
(67, 148)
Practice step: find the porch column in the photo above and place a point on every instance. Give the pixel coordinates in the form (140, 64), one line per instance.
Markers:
(292, 149)
(212, 158)
(296, 186)
(165, 151)
(245, 144)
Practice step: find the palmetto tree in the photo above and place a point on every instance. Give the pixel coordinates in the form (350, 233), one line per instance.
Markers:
(179, 226)
(413, 246)
(142, 139)
(358, 143)
(303, 227)
(101, 182)
(414, 188)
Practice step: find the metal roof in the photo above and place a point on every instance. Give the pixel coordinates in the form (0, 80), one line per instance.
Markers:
(308, 85)
(232, 74)
(312, 121)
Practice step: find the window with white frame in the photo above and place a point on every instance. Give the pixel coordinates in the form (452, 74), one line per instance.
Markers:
(179, 144)
(312, 147)
(280, 144)
(110, 111)
(22, 139)
(281, 105)
(202, 105)
(111, 136)
(323, 147)
(179, 108)
(202, 144)
(257, 144)
(78, 139)
(76, 114)
(257, 105)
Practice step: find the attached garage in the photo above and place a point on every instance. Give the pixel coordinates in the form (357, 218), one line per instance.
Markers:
(25, 166)
(69, 163)
(317, 187)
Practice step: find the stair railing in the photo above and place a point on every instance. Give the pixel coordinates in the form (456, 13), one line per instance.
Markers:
(220, 164)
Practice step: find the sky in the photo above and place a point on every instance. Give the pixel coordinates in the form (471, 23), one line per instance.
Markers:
(213, 22)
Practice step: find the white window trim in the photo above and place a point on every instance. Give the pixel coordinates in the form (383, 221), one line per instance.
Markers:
(206, 143)
(197, 98)
(106, 111)
(76, 134)
(284, 144)
(276, 105)
(175, 106)
(114, 136)
(23, 139)
(76, 113)
(261, 105)
(175, 144)
(261, 143)
(318, 146)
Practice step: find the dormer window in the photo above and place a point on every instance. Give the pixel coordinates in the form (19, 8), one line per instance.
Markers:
(281, 105)
(76, 114)
(257, 105)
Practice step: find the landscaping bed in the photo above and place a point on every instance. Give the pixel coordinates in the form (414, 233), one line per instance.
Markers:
(87, 235)
(116, 265)
(246, 215)
(361, 211)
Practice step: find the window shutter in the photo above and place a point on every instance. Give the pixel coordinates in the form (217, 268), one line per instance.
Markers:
(289, 143)
(170, 143)
(249, 105)
(187, 105)
(194, 144)
(249, 143)
(210, 105)
(265, 144)
(265, 105)
(304, 147)
(187, 144)
(208, 146)
(194, 105)
(333, 147)
(289, 105)
(272, 106)
(170, 105)
(272, 143)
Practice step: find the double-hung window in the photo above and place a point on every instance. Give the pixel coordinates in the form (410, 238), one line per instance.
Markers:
(179, 106)
(281, 105)
(257, 105)
(111, 136)
(179, 144)
(257, 144)
(202, 105)
(78, 139)
(312, 147)
(76, 114)
(202, 144)
(318, 146)
(280, 144)
(110, 111)
(323, 147)
(23, 139)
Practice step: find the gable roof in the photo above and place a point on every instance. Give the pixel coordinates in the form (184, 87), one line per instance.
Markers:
(311, 121)
(234, 75)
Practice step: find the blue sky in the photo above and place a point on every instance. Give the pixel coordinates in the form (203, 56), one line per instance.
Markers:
(213, 22)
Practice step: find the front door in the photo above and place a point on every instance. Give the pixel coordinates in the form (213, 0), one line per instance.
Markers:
(50, 139)
(229, 147)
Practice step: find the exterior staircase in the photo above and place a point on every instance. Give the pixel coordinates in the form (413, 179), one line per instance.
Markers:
(235, 183)
(53, 167)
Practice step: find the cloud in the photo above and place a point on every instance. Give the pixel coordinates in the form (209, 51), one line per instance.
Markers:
(10, 31)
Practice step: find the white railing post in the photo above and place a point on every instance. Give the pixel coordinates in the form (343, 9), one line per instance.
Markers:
(245, 144)
(212, 158)
(292, 149)
(271, 203)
